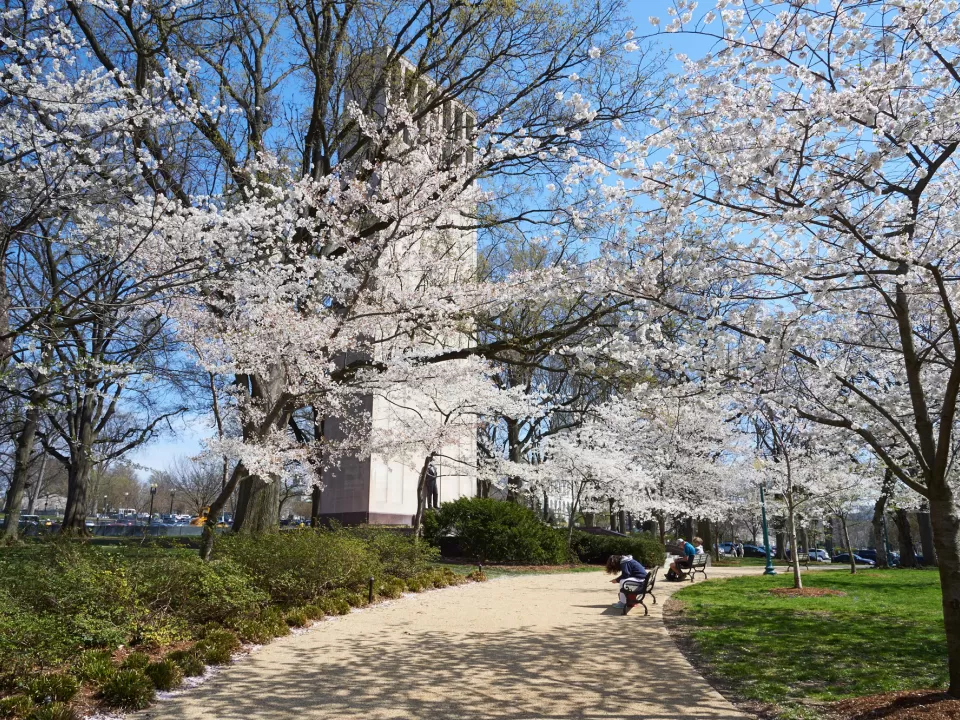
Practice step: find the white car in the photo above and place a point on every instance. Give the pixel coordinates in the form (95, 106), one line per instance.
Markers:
(819, 555)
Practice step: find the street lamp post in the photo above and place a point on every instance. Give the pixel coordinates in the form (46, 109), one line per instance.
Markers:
(153, 494)
(766, 534)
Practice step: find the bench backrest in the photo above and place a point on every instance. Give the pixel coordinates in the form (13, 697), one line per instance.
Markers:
(700, 560)
(651, 580)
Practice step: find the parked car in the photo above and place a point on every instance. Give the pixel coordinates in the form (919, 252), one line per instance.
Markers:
(819, 555)
(754, 551)
(845, 558)
(726, 548)
(893, 557)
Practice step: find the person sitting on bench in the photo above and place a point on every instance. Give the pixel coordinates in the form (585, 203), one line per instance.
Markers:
(629, 569)
(684, 563)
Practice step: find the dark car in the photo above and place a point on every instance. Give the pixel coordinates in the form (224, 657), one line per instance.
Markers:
(754, 551)
(893, 557)
(845, 558)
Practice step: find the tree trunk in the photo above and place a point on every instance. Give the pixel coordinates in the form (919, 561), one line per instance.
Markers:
(261, 511)
(613, 517)
(216, 507)
(905, 538)
(513, 453)
(622, 521)
(21, 465)
(75, 514)
(846, 540)
(797, 579)
(662, 527)
(588, 519)
(421, 496)
(781, 540)
(945, 520)
(926, 537)
(38, 485)
(877, 522)
(78, 474)
(315, 495)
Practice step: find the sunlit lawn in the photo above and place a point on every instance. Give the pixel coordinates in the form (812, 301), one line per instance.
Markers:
(886, 634)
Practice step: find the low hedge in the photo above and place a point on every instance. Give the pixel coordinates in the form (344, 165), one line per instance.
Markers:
(595, 549)
(496, 531)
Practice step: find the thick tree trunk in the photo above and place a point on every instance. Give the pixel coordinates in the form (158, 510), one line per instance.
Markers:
(261, 510)
(78, 474)
(75, 514)
(846, 540)
(781, 540)
(927, 547)
(945, 519)
(588, 519)
(613, 517)
(905, 538)
(21, 465)
(877, 522)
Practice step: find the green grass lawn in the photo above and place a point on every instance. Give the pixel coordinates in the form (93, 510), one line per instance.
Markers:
(886, 634)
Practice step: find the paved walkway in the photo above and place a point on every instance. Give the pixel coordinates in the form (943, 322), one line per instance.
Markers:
(518, 648)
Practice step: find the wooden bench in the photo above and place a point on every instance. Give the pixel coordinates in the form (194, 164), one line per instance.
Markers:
(697, 565)
(636, 590)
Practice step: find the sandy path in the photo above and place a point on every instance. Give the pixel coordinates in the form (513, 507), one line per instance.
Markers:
(534, 646)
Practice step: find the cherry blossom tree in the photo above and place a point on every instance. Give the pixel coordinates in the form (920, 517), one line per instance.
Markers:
(806, 180)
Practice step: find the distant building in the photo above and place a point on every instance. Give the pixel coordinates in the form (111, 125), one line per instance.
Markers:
(383, 490)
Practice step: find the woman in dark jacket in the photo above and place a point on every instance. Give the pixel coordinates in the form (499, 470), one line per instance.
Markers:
(629, 569)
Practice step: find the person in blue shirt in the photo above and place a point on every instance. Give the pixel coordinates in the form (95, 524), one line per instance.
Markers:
(629, 569)
(684, 563)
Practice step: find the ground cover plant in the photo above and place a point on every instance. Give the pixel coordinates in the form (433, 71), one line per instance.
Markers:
(127, 620)
(883, 633)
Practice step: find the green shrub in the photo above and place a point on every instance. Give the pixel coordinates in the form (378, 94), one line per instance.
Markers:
(52, 687)
(399, 555)
(15, 706)
(94, 666)
(189, 661)
(295, 567)
(75, 597)
(274, 619)
(213, 654)
(391, 588)
(645, 548)
(165, 674)
(415, 584)
(499, 531)
(254, 631)
(334, 606)
(53, 711)
(221, 637)
(297, 618)
(135, 661)
(128, 690)
(313, 612)
(182, 585)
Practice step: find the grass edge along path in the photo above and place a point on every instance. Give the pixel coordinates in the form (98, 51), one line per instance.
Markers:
(789, 657)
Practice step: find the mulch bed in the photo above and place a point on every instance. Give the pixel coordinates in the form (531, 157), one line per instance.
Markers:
(908, 705)
(806, 592)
